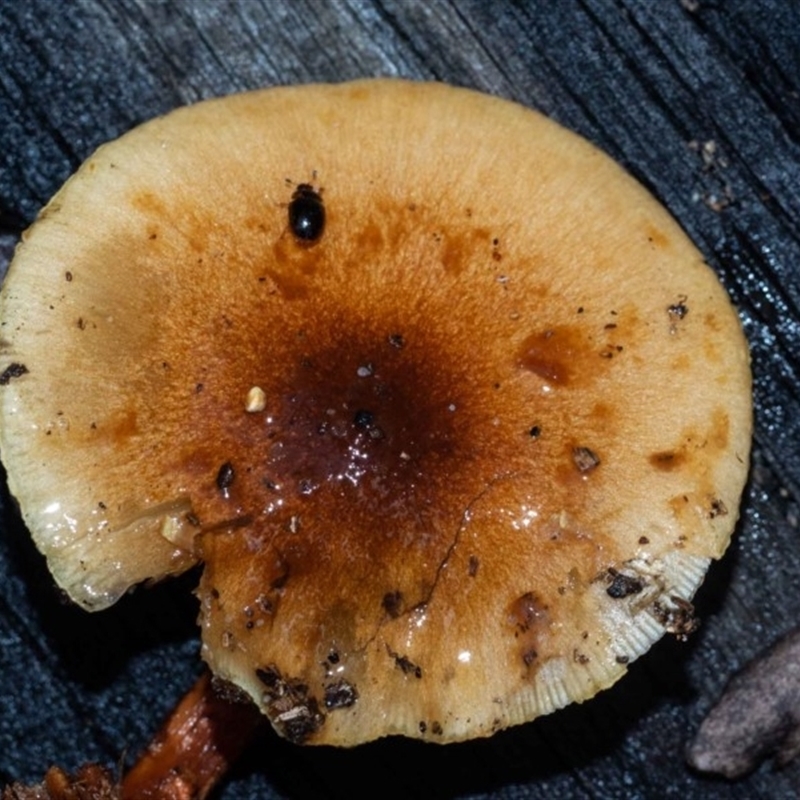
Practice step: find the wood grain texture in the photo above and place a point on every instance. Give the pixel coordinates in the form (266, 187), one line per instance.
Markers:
(650, 83)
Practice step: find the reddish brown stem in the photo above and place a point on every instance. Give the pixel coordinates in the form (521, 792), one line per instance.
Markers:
(195, 747)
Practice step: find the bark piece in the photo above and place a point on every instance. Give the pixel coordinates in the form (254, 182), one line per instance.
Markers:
(757, 716)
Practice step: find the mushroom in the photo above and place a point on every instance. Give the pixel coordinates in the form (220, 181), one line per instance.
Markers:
(451, 411)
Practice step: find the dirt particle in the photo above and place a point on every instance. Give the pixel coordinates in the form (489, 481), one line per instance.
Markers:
(256, 400)
(677, 618)
(392, 603)
(580, 658)
(292, 710)
(340, 695)
(473, 566)
(363, 420)
(265, 604)
(68, 276)
(365, 371)
(13, 370)
(269, 676)
(405, 664)
(718, 509)
(585, 460)
(300, 721)
(677, 311)
(283, 576)
(622, 585)
(229, 691)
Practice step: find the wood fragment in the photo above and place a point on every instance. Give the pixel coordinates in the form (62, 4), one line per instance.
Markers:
(758, 716)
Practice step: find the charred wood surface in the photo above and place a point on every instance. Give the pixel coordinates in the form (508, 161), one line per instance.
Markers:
(699, 99)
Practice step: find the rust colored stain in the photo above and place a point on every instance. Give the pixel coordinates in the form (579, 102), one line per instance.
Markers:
(370, 237)
(525, 611)
(715, 440)
(720, 431)
(668, 460)
(551, 354)
(657, 237)
(149, 203)
(294, 265)
(712, 322)
(465, 247)
(291, 287)
(122, 426)
(681, 363)
(529, 619)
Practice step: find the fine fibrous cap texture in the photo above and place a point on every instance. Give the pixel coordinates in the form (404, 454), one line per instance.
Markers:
(455, 446)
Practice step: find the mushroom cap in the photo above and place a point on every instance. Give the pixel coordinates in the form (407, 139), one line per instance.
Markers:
(451, 466)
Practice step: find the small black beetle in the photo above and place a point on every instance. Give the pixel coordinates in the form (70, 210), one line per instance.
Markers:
(306, 214)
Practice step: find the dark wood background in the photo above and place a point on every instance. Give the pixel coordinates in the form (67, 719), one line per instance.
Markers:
(651, 82)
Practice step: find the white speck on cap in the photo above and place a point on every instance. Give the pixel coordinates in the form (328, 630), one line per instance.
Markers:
(256, 400)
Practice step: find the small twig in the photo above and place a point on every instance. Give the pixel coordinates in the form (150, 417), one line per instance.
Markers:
(757, 716)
